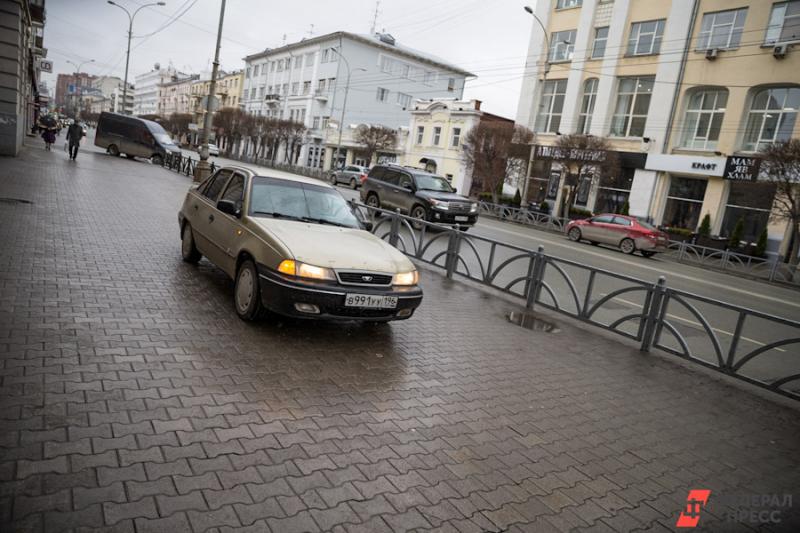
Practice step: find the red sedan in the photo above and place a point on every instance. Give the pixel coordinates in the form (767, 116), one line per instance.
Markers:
(627, 233)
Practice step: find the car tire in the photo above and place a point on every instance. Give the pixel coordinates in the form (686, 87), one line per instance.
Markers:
(464, 228)
(246, 293)
(594, 243)
(647, 253)
(113, 150)
(333, 180)
(157, 160)
(627, 246)
(373, 200)
(353, 183)
(420, 213)
(189, 251)
(129, 156)
(574, 234)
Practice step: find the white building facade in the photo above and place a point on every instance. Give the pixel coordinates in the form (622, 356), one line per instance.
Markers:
(111, 88)
(145, 98)
(175, 96)
(306, 82)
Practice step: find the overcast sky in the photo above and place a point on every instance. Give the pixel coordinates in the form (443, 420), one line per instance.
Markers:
(486, 37)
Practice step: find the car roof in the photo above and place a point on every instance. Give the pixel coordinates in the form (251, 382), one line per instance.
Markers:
(259, 174)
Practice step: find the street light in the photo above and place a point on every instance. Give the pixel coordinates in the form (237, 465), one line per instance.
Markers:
(529, 9)
(344, 103)
(78, 79)
(128, 53)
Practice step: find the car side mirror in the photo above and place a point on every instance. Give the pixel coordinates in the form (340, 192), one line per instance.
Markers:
(229, 207)
(409, 187)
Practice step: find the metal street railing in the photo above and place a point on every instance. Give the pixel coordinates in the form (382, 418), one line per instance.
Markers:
(183, 164)
(750, 345)
(523, 216)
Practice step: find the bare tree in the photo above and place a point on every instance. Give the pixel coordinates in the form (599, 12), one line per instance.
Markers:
(585, 157)
(493, 150)
(295, 139)
(375, 139)
(223, 125)
(178, 124)
(781, 166)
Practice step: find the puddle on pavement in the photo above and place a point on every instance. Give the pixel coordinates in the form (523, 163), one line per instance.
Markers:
(531, 321)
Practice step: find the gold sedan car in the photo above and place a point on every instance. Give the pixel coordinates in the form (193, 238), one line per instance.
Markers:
(294, 246)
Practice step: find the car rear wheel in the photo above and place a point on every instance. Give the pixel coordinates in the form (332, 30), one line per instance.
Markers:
(353, 183)
(113, 150)
(157, 160)
(627, 246)
(574, 234)
(246, 294)
(189, 251)
(333, 179)
(418, 212)
(373, 201)
(646, 253)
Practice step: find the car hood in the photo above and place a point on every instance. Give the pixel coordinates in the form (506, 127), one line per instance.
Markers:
(447, 196)
(335, 247)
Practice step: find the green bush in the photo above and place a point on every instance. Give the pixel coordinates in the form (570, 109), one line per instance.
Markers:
(624, 210)
(544, 207)
(680, 231)
(736, 235)
(705, 226)
(761, 244)
(578, 211)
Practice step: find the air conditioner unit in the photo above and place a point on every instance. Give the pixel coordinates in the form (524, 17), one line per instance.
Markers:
(779, 52)
(711, 54)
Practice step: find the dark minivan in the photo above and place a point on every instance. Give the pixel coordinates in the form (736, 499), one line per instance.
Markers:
(419, 194)
(134, 137)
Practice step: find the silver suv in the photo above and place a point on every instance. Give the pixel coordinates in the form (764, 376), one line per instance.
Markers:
(352, 175)
(419, 194)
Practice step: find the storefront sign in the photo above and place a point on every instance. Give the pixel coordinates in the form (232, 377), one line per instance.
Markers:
(686, 164)
(45, 65)
(740, 168)
(557, 154)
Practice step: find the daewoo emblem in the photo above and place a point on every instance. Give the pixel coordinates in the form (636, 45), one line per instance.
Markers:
(366, 278)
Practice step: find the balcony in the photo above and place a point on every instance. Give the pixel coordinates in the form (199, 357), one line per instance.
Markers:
(322, 96)
(272, 99)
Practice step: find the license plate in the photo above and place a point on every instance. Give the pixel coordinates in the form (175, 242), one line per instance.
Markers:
(370, 301)
(462, 219)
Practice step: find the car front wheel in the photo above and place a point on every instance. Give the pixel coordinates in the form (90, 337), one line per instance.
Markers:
(627, 246)
(646, 253)
(353, 183)
(246, 295)
(333, 179)
(157, 160)
(189, 251)
(419, 213)
(574, 234)
(373, 201)
(113, 150)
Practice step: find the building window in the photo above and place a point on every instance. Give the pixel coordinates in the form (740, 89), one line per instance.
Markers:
(451, 84)
(306, 87)
(272, 66)
(684, 202)
(722, 29)
(456, 137)
(325, 56)
(430, 77)
(387, 65)
(633, 102)
(331, 83)
(614, 191)
(549, 118)
(404, 100)
(325, 122)
(600, 40)
(253, 93)
(562, 45)
(565, 4)
(285, 88)
(321, 86)
(784, 23)
(309, 60)
(587, 105)
(261, 92)
(773, 113)
(420, 134)
(248, 72)
(280, 65)
(295, 88)
(255, 71)
(405, 71)
(315, 123)
(437, 135)
(382, 94)
(751, 203)
(704, 114)
(645, 38)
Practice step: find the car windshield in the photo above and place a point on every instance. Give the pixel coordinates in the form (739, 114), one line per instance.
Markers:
(432, 183)
(300, 201)
(163, 138)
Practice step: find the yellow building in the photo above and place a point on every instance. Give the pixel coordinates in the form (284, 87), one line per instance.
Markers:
(682, 89)
(228, 91)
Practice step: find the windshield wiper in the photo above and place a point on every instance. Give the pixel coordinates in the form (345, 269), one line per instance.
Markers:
(276, 215)
(324, 221)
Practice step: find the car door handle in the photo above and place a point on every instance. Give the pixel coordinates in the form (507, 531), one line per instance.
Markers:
(195, 207)
(211, 218)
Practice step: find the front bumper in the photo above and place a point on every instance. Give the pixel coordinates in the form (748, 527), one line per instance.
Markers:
(280, 293)
(446, 217)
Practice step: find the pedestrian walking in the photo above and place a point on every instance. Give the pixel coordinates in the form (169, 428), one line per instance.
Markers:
(49, 137)
(74, 136)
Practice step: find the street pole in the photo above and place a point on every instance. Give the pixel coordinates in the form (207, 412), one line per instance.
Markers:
(128, 53)
(203, 169)
(529, 10)
(344, 105)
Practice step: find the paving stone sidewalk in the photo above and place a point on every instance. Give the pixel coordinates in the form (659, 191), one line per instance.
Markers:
(133, 399)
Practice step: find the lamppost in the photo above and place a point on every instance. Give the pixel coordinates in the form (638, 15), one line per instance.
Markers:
(529, 9)
(128, 53)
(344, 103)
(203, 169)
(78, 80)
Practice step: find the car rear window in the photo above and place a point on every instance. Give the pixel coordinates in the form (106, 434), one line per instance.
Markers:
(391, 176)
(215, 184)
(622, 221)
(377, 173)
(603, 219)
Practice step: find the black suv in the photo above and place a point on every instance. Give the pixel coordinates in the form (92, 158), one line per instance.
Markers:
(419, 194)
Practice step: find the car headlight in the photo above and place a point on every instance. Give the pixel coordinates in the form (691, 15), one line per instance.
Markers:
(438, 204)
(304, 270)
(406, 278)
(473, 208)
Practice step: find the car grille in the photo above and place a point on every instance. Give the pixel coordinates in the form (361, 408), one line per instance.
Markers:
(459, 207)
(364, 278)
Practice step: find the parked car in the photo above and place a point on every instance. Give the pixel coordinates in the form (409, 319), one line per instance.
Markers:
(213, 149)
(418, 193)
(627, 233)
(352, 175)
(134, 137)
(294, 246)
